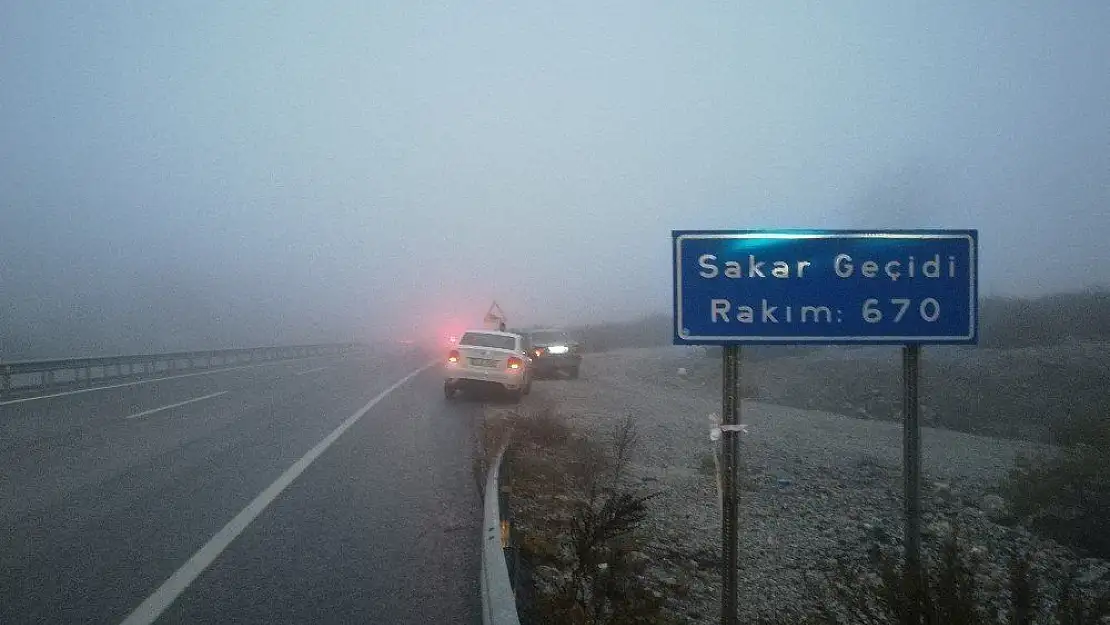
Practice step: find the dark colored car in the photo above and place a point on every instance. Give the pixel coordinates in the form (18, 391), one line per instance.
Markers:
(554, 351)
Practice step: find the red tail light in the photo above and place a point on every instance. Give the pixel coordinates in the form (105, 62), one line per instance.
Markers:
(515, 363)
(539, 352)
(453, 355)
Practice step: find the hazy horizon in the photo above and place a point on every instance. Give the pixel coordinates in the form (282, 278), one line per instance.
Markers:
(246, 173)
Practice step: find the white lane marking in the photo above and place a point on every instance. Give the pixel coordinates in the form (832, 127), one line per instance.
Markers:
(171, 589)
(151, 381)
(180, 403)
(310, 371)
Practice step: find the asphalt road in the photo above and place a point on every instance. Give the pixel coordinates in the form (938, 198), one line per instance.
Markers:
(108, 496)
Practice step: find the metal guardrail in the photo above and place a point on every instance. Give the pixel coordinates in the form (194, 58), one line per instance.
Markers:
(34, 374)
(498, 599)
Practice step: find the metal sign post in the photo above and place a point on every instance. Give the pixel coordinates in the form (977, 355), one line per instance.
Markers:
(730, 459)
(911, 459)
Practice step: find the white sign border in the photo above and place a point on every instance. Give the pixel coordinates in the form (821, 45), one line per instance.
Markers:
(972, 286)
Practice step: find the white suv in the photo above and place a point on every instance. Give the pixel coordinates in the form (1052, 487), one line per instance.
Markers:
(488, 358)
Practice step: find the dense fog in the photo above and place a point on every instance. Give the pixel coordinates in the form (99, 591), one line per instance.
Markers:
(176, 176)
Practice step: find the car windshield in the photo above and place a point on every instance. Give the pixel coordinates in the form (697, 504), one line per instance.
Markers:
(481, 339)
(549, 337)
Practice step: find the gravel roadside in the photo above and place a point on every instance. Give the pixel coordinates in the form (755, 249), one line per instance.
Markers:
(820, 488)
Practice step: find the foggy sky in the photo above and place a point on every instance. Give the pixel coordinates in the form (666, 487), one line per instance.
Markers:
(255, 171)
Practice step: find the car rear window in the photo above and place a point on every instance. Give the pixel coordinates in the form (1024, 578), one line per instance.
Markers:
(549, 337)
(478, 339)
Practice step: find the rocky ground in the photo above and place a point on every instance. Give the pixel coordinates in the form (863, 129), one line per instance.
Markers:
(820, 489)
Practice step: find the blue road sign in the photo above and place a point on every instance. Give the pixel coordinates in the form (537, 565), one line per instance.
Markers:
(830, 286)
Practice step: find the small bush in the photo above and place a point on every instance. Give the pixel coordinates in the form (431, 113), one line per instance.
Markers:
(542, 427)
(1067, 497)
(602, 585)
(587, 530)
(944, 590)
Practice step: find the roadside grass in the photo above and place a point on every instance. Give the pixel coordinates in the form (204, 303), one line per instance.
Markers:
(952, 589)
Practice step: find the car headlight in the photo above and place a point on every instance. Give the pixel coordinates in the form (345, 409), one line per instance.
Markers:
(558, 349)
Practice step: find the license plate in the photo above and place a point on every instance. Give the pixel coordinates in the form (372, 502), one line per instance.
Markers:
(483, 362)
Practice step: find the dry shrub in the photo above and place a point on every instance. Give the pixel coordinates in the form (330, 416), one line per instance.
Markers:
(589, 530)
(948, 591)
